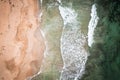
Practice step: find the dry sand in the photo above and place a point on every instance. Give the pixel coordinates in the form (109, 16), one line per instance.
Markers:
(21, 42)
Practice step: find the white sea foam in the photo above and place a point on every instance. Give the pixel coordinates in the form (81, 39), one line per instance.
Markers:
(41, 1)
(92, 25)
(59, 1)
(72, 46)
(68, 15)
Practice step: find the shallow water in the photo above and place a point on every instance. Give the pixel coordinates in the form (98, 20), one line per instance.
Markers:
(65, 28)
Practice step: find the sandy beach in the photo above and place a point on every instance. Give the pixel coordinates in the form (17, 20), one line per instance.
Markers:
(21, 42)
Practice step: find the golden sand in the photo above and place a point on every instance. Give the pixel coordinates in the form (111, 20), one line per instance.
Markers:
(21, 46)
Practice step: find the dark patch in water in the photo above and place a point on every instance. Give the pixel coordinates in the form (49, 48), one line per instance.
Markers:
(104, 61)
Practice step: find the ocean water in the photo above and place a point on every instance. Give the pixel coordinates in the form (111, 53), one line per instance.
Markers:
(82, 40)
(66, 44)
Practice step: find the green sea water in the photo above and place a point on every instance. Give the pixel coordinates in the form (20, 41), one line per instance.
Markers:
(104, 60)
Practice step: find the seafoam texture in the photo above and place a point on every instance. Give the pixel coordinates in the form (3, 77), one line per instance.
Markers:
(72, 45)
(92, 25)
